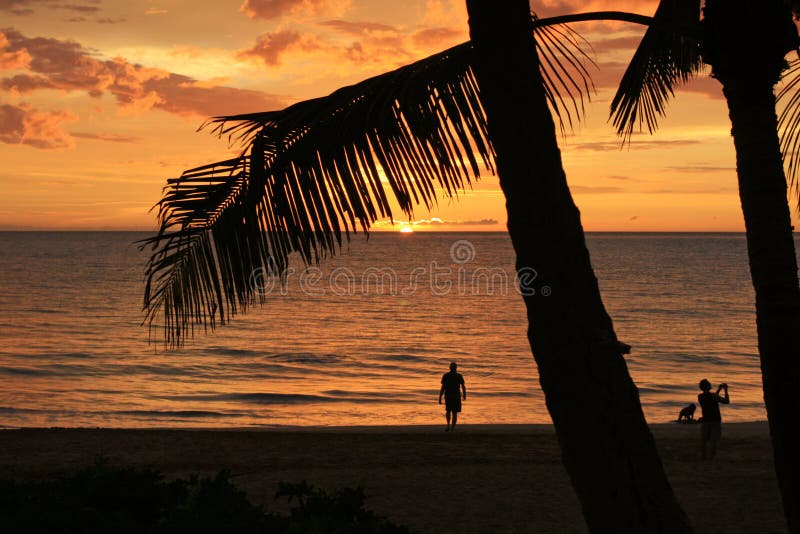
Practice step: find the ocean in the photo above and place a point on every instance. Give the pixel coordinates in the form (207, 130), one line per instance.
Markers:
(361, 340)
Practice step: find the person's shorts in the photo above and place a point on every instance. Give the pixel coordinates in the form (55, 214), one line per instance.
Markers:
(453, 405)
(711, 430)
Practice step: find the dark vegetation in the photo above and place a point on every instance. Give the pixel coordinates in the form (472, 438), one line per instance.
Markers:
(103, 498)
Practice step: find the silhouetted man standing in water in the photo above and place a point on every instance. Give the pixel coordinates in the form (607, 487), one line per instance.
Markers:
(452, 384)
(711, 425)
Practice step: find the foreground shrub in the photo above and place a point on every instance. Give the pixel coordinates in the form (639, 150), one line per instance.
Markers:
(125, 500)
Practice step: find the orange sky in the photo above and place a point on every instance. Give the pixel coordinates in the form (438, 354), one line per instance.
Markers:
(99, 102)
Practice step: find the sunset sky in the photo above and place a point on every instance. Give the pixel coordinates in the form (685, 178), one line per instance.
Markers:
(100, 100)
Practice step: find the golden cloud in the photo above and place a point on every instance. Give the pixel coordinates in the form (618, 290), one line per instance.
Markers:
(17, 59)
(272, 9)
(67, 66)
(270, 47)
(24, 125)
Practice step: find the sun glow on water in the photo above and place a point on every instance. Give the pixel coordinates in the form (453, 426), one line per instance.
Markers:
(379, 327)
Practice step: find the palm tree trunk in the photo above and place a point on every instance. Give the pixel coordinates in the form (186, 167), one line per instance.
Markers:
(748, 70)
(773, 267)
(607, 447)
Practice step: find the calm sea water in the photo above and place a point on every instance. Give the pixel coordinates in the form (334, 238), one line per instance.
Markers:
(362, 341)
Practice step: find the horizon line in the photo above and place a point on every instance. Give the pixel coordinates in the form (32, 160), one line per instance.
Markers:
(372, 231)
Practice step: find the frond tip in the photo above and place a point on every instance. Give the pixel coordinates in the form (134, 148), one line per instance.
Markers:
(668, 55)
(564, 63)
(308, 176)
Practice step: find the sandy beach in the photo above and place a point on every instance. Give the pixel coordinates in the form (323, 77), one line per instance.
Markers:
(503, 478)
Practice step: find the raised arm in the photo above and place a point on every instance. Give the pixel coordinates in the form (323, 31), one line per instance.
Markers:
(723, 399)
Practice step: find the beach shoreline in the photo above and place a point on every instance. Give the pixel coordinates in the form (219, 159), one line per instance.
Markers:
(503, 478)
(737, 427)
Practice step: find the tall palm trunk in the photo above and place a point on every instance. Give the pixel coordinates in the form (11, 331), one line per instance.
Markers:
(607, 448)
(748, 70)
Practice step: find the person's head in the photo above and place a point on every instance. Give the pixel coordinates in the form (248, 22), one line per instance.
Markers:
(453, 366)
(705, 385)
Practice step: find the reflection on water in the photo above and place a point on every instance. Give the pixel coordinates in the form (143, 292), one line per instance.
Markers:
(362, 340)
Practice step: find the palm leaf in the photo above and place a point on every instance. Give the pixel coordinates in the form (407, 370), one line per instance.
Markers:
(788, 99)
(563, 61)
(315, 172)
(668, 55)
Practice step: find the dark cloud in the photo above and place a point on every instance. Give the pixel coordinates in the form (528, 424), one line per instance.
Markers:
(357, 28)
(699, 168)
(270, 47)
(106, 137)
(272, 9)
(694, 191)
(24, 125)
(79, 8)
(595, 190)
(269, 9)
(622, 178)
(603, 146)
(96, 21)
(67, 66)
(183, 95)
(25, 83)
(28, 7)
(12, 60)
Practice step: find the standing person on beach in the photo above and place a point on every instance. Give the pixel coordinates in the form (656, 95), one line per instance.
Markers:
(452, 384)
(711, 426)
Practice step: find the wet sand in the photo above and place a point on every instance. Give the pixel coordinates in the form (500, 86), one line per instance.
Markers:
(482, 478)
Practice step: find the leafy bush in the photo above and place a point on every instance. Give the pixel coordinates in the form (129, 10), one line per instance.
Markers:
(316, 511)
(125, 500)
